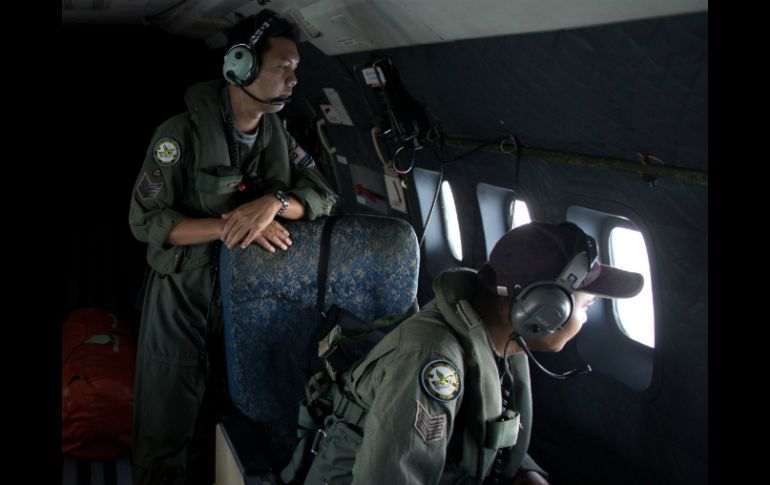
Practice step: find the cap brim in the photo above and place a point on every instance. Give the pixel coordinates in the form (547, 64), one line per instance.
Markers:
(612, 282)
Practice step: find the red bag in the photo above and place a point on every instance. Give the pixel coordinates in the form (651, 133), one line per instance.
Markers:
(97, 381)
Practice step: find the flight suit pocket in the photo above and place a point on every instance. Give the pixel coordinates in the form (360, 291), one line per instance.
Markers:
(504, 431)
(216, 186)
(196, 256)
(167, 260)
(336, 456)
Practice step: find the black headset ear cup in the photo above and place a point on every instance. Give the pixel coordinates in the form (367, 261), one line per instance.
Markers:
(240, 65)
(540, 310)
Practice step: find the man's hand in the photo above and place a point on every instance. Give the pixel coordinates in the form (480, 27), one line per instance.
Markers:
(255, 221)
(273, 235)
(529, 478)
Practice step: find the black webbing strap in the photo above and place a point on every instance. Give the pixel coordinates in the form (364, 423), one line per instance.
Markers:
(323, 262)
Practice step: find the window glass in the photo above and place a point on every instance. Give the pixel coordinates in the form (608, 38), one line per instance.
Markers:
(635, 315)
(451, 223)
(519, 213)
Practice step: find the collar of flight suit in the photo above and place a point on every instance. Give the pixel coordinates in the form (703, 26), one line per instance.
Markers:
(483, 400)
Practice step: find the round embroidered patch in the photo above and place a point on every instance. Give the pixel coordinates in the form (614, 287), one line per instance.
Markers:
(441, 380)
(167, 152)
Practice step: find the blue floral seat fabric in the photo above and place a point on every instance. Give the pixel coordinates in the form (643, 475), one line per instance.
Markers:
(269, 305)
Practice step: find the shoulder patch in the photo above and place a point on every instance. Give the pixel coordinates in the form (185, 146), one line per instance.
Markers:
(148, 189)
(431, 428)
(440, 379)
(299, 157)
(167, 152)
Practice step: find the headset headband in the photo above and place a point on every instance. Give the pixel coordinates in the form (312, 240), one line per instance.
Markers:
(577, 268)
(261, 31)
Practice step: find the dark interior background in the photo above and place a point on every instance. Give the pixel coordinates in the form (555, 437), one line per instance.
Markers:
(119, 84)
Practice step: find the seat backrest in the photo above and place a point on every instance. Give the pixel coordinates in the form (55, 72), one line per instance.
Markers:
(269, 305)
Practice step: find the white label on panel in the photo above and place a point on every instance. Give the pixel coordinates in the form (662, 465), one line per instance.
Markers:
(338, 107)
(330, 114)
(395, 193)
(373, 78)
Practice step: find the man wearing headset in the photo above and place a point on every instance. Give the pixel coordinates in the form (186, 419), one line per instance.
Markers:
(445, 398)
(224, 171)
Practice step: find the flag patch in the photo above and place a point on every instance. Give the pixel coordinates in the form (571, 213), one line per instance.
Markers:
(147, 189)
(299, 157)
(431, 428)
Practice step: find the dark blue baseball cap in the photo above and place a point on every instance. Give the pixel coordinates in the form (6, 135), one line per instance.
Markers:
(539, 252)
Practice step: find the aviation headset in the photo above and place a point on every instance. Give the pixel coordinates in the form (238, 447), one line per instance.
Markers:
(543, 307)
(241, 64)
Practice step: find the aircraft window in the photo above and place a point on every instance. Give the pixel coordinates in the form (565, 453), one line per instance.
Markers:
(635, 315)
(451, 224)
(518, 214)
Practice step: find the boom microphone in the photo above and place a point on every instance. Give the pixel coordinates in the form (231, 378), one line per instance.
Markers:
(272, 102)
(572, 373)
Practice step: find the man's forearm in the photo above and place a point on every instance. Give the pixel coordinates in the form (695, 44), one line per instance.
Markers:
(296, 209)
(195, 231)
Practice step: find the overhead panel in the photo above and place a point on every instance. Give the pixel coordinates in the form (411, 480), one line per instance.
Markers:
(112, 11)
(344, 26)
(360, 25)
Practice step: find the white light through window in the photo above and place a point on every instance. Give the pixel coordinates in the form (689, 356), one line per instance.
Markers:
(635, 315)
(451, 224)
(518, 214)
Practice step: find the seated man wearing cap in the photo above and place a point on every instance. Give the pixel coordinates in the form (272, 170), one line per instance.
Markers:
(446, 396)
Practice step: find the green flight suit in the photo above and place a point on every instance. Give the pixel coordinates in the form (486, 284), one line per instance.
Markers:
(392, 424)
(190, 171)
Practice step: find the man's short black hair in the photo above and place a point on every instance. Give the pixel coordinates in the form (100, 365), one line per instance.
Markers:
(279, 27)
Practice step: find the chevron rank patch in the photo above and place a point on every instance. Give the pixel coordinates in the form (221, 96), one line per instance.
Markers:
(148, 189)
(299, 157)
(431, 428)
(166, 152)
(440, 379)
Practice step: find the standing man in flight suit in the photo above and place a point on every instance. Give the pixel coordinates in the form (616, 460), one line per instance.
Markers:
(441, 399)
(224, 171)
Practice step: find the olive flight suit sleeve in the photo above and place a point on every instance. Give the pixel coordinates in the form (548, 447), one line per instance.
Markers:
(410, 419)
(160, 185)
(307, 183)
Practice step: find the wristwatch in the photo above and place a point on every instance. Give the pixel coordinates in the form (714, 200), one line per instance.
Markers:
(281, 195)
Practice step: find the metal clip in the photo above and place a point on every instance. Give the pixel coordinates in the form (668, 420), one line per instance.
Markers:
(319, 435)
(330, 370)
(328, 344)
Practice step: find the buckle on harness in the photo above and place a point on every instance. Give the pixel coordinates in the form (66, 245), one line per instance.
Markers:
(330, 370)
(315, 387)
(319, 435)
(328, 344)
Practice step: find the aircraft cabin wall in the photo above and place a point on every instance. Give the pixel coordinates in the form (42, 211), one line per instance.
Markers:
(590, 109)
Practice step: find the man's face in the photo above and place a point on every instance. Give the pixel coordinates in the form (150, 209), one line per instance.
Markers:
(276, 77)
(555, 342)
